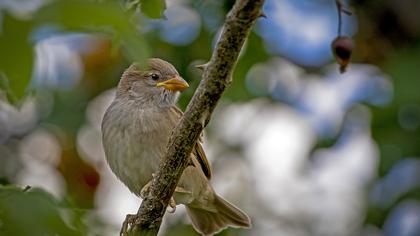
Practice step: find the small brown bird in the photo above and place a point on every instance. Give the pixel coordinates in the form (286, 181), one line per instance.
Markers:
(135, 131)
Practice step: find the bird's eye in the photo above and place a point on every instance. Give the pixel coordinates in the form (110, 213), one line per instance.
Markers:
(154, 76)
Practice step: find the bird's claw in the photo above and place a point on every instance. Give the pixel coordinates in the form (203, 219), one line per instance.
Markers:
(129, 220)
(172, 206)
(146, 188)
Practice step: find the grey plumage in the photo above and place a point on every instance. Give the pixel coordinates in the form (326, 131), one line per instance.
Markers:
(135, 131)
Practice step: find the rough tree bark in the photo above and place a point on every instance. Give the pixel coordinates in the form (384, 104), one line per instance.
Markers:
(216, 77)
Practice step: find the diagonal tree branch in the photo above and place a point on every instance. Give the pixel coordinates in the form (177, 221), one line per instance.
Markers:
(216, 77)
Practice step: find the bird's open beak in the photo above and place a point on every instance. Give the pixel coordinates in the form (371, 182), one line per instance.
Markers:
(175, 84)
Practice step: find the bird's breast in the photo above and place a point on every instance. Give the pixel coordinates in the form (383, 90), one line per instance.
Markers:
(134, 141)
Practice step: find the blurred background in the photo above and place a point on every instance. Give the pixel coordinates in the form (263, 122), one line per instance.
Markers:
(303, 149)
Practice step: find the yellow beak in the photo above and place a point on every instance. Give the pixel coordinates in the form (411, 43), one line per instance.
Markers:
(175, 84)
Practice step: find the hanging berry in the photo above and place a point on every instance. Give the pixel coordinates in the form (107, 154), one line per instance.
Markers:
(342, 47)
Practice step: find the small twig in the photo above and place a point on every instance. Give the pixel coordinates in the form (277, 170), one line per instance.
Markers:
(27, 187)
(341, 9)
(202, 67)
(339, 5)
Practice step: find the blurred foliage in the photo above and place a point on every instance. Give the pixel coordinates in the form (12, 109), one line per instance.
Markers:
(151, 8)
(388, 126)
(389, 37)
(385, 38)
(89, 16)
(17, 65)
(397, 140)
(35, 212)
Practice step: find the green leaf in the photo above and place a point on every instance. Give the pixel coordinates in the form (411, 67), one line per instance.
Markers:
(135, 49)
(153, 8)
(84, 15)
(16, 60)
(106, 17)
(17, 54)
(32, 212)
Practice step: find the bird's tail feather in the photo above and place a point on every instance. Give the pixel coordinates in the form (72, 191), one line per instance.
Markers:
(209, 222)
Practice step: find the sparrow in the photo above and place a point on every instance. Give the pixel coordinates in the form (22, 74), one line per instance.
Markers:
(136, 128)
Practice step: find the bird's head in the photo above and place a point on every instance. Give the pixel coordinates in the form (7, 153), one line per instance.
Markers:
(158, 82)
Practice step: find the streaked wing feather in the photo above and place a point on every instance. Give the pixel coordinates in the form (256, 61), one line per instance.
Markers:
(202, 159)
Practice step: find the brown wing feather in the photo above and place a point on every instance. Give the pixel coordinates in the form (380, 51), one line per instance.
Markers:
(198, 150)
(202, 159)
